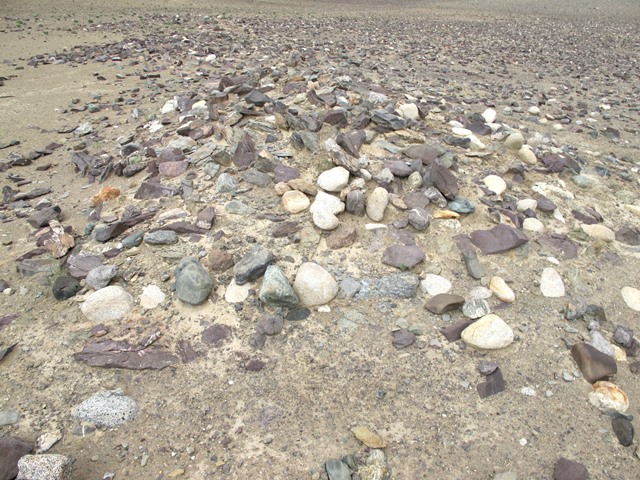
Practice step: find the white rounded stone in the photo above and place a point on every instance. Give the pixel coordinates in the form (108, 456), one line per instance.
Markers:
(435, 284)
(237, 293)
(608, 398)
(495, 183)
(551, 284)
(377, 203)
(599, 232)
(409, 111)
(151, 297)
(325, 220)
(334, 179)
(327, 203)
(107, 304)
(526, 204)
(294, 201)
(488, 333)
(514, 141)
(532, 225)
(480, 293)
(314, 285)
(501, 290)
(533, 110)
(631, 297)
(527, 156)
(489, 115)
(461, 132)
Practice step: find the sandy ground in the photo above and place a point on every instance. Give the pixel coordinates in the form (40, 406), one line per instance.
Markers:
(213, 418)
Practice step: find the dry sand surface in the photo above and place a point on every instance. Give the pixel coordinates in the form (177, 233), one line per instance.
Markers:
(250, 406)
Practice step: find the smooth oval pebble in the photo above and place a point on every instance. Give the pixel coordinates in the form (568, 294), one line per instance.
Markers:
(527, 156)
(551, 284)
(501, 290)
(631, 297)
(107, 304)
(514, 141)
(461, 132)
(294, 201)
(532, 225)
(435, 284)
(377, 203)
(488, 333)
(599, 232)
(369, 438)
(608, 397)
(495, 183)
(314, 285)
(334, 179)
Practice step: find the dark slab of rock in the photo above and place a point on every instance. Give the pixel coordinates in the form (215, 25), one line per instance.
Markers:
(121, 354)
(298, 314)
(285, 229)
(453, 332)
(257, 340)
(186, 351)
(500, 238)
(444, 302)
(6, 320)
(623, 428)
(219, 260)
(252, 265)
(355, 203)
(351, 142)
(6, 350)
(283, 173)
(560, 242)
(216, 334)
(336, 117)
(403, 256)
(444, 181)
(419, 218)
(65, 288)
(569, 470)
(257, 98)
(426, 153)
(388, 121)
(205, 218)
(589, 216)
(628, 235)
(342, 237)
(400, 168)
(154, 190)
(12, 449)
(181, 228)
(79, 266)
(108, 232)
(42, 217)
(494, 384)
(403, 338)
(270, 325)
(245, 154)
(593, 364)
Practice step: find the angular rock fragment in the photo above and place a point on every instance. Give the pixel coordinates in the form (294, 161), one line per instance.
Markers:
(403, 338)
(42, 217)
(593, 364)
(494, 384)
(12, 449)
(444, 302)
(403, 256)
(500, 238)
(252, 265)
(245, 154)
(276, 290)
(45, 467)
(121, 354)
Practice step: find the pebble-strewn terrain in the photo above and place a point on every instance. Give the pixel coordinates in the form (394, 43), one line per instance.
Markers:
(348, 241)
